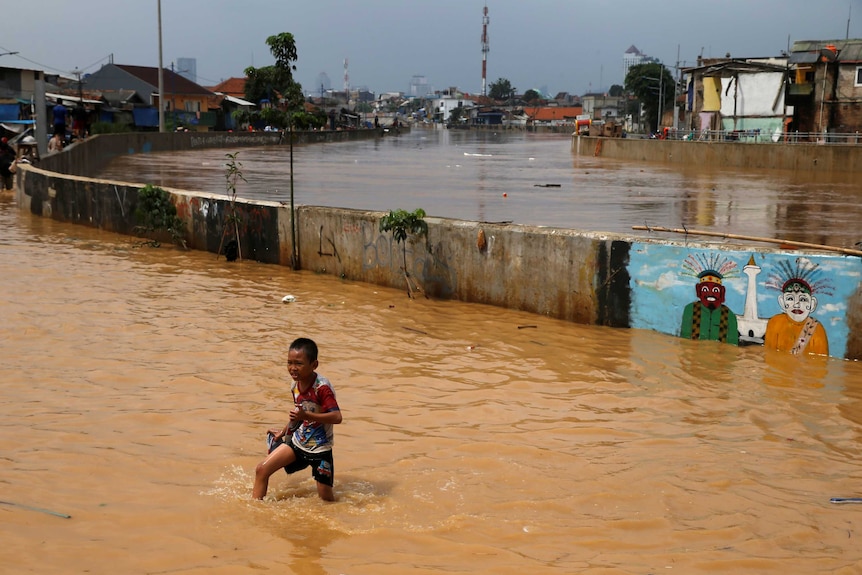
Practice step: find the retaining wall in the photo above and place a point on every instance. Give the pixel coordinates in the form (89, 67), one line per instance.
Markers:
(91, 156)
(810, 158)
(602, 279)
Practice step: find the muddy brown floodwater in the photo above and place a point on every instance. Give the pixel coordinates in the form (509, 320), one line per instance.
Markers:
(137, 385)
(525, 178)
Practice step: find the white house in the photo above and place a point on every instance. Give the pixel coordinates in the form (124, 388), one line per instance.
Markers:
(444, 105)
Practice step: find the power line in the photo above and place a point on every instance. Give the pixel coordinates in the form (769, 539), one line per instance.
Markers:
(51, 68)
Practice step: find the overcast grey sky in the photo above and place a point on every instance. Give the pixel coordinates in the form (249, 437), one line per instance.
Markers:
(560, 45)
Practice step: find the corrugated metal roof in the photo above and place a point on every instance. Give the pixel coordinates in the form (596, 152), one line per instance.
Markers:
(238, 101)
(804, 57)
(852, 52)
(808, 51)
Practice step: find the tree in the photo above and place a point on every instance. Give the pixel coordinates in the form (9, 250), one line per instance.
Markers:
(502, 89)
(531, 96)
(455, 116)
(275, 83)
(616, 91)
(649, 83)
(403, 223)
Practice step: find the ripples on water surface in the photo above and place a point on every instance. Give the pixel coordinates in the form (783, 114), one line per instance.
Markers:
(487, 176)
(138, 383)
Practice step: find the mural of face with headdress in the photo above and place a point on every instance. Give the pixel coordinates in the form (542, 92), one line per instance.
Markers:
(795, 329)
(709, 290)
(798, 285)
(710, 271)
(708, 318)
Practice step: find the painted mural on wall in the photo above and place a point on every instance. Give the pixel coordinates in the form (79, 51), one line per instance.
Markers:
(787, 301)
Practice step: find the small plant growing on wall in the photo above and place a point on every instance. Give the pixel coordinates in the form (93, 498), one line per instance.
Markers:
(402, 224)
(156, 216)
(233, 175)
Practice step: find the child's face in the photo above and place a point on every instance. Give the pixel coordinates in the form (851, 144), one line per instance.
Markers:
(298, 366)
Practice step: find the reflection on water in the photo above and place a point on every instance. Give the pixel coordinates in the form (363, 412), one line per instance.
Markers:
(137, 385)
(531, 179)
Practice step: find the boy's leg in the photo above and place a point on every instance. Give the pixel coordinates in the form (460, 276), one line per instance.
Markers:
(280, 457)
(325, 492)
(324, 474)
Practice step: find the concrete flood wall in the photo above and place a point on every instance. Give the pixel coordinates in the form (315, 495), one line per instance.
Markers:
(809, 157)
(799, 302)
(91, 156)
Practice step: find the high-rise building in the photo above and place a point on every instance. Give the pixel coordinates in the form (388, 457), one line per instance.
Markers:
(188, 69)
(419, 87)
(634, 57)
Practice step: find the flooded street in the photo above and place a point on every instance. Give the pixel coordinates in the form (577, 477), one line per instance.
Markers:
(526, 178)
(138, 384)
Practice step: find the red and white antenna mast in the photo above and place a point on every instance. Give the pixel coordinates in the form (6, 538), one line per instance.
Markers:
(485, 49)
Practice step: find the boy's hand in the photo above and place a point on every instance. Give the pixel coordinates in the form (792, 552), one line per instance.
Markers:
(297, 415)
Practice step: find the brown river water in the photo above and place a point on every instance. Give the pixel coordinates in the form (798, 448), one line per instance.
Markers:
(138, 384)
(525, 178)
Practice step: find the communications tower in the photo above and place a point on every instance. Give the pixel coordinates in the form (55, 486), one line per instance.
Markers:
(346, 81)
(485, 49)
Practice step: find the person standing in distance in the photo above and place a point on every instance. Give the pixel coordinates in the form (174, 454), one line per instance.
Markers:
(60, 113)
(307, 439)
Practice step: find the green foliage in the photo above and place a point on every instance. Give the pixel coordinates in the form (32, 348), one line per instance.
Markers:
(156, 213)
(283, 48)
(532, 96)
(233, 174)
(401, 223)
(502, 89)
(307, 121)
(275, 83)
(109, 128)
(648, 82)
(455, 116)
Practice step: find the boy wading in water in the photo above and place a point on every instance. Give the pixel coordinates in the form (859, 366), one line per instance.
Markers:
(307, 439)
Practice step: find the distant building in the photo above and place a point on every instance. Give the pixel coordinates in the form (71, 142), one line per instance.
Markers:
(737, 94)
(601, 106)
(825, 86)
(185, 103)
(419, 87)
(188, 68)
(231, 87)
(442, 106)
(634, 57)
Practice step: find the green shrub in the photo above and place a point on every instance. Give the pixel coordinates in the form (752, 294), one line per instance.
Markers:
(156, 214)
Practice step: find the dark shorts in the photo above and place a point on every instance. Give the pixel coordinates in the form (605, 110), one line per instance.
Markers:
(322, 468)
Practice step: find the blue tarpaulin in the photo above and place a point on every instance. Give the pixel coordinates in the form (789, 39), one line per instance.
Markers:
(9, 112)
(146, 117)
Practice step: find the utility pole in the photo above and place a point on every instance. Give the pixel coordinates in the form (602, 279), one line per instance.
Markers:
(485, 48)
(660, 95)
(161, 75)
(676, 87)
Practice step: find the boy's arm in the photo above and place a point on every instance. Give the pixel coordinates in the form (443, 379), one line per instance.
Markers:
(330, 417)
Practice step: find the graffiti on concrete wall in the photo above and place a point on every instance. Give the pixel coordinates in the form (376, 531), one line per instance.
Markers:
(784, 301)
(427, 262)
